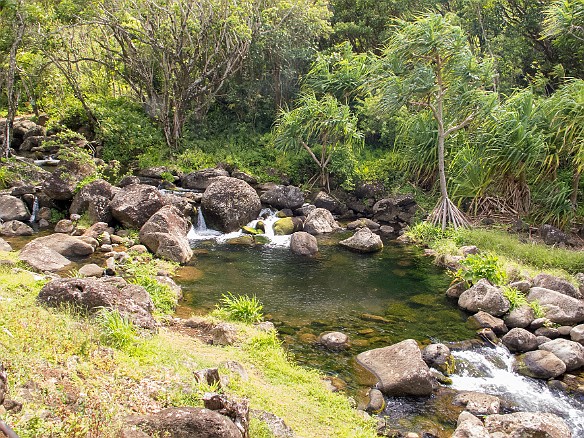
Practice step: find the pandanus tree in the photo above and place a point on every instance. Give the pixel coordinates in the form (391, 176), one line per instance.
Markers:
(321, 127)
(428, 65)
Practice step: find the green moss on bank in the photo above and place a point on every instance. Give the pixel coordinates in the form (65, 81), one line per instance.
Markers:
(72, 384)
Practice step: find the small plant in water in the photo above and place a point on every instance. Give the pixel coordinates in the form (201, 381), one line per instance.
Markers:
(477, 266)
(240, 308)
(116, 330)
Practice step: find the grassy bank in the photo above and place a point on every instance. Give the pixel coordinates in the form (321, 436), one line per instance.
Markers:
(72, 382)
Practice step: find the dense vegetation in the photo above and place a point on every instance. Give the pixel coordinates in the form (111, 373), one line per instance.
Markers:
(483, 101)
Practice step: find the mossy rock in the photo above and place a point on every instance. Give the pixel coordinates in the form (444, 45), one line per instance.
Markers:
(261, 240)
(250, 230)
(283, 227)
(242, 240)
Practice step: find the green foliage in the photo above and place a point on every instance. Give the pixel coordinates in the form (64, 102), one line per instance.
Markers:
(538, 310)
(240, 308)
(427, 234)
(116, 330)
(517, 299)
(477, 266)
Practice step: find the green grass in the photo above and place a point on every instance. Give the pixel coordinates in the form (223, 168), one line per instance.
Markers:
(240, 308)
(116, 330)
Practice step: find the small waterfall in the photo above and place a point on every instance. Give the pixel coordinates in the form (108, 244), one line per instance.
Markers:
(201, 225)
(490, 370)
(199, 231)
(35, 210)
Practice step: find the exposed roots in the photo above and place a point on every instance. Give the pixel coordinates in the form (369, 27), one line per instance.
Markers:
(446, 213)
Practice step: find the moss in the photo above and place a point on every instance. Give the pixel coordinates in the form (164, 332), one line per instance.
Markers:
(283, 226)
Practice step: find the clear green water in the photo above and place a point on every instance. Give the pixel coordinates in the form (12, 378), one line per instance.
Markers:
(305, 297)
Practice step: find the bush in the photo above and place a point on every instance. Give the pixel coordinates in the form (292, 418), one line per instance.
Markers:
(240, 308)
(517, 299)
(477, 266)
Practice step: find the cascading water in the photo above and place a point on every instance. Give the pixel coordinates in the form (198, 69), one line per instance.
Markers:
(490, 370)
(35, 210)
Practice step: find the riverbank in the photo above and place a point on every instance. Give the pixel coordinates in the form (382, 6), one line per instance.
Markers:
(66, 379)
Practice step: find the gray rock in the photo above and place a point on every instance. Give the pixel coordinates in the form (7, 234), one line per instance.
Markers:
(540, 364)
(283, 197)
(15, 228)
(42, 258)
(230, 203)
(250, 179)
(528, 424)
(364, 241)
(303, 244)
(548, 332)
(468, 250)
(363, 222)
(92, 294)
(484, 320)
(569, 352)
(521, 285)
(397, 210)
(469, 426)
(565, 330)
(558, 284)
(5, 246)
(334, 341)
(94, 198)
(558, 307)
(97, 230)
(399, 369)
(201, 179)
(165, 234)
(542, 340)
(68, 246)
(326, 201)
(456, 289)
(91, 270)
(135, 204)
(376, 402)
(276, 425)
(577, 334)
(64, 226)
(320, 221)
(483, 296)
(520, 317)
(519, 340)
(539, 322)
(224, 334)
(552, 235)
(13, 209)
(436, 356)
(478, 403)
(61, 184)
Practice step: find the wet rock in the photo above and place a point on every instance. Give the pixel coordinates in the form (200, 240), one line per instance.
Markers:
(456, 289)
(519, 340)
(364, 241)
(478, 403)
(128, 181)
(334, 341)
(552, 235)
(328, 202)
(201, 179)
(64, 226)
(13, 209)
(376, 402)
(281, 197)
(68, 246)
(528, 424)
(362, 223)
(520, 317)
(5, 246)
(165, 234)
(577, 334)
(540, 364)
(15, 228)
(558, 307)
(437, 356)
(135, 204)
(483, 296)
(558, 284)
(91, 270)
(320, 221)
(287, 225)
(399, 369)
(569, 352)
(185, 422)
(42, 258)
(93, 294)
(224, 334)
(469, 426)
(303, 244)
(94, 198)
(229, 203)
(484, 320)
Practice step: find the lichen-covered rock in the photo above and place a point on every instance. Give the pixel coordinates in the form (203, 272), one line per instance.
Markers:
(13, 209)
(364, 240)
(519, 340)
(287, 225)
(320, 221)
(304, 244)
(399, 369)
(230, 203)
(94, 198)
(483, 296)
(165, 234)
(283, 197)
(540, 364)
(528, 424)
(363, 222)
(558, 307)
(569, 352)
(135, 204)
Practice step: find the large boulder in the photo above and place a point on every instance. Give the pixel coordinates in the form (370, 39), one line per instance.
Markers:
(469, 426)
(135, 204)
(519, 340)
(165, 234)
(528, 424)
(558, 307)
(92, 294)
(15, 228)
(396, 211)
(552, 235)
(320, 221)
(94, 198)
(68, 246)
(399, 369)
(364, 240)
(540, 364)
(483, 296)
(61, 184)
(13, 209)
(558, 284)
(304, 244)
(42, 258)
(229, 203)
(520, 317)
(201, 179)
(569, 352)
(184, 422)
(283, 197)
(324, 200)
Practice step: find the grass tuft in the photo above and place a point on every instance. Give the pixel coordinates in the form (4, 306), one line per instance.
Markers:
(116, 330)
(240, 308)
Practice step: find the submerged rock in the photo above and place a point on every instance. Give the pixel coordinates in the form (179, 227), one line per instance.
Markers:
(364, 240)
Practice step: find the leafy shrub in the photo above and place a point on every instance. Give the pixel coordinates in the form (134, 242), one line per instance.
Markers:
(477, 266)
(428, 234)
(240, 308)
(116, 330)
(517, 299)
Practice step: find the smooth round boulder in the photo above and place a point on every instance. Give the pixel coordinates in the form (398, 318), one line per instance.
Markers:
(201, 179)
(304, 244)
(376, 402)
(484, 320)
(577, 333)
(165, 234)
(64, 226)
(334, 341)
(230, 203)
(15, 228)
(135, 204)
(13, 209)
(527, 424)
(437, 356)
(569, 352)
(320, 221)
(287, 225)
(483, 296)
(60, 185)
(42, 258)
(540, 364)
(281, 197)
(558, 307)
(91, 270)
(363, 241)
(519, 340)
(68, 246)
(520, 317)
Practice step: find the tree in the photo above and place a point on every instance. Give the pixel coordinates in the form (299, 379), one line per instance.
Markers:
(321, 127)
(429, 65)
